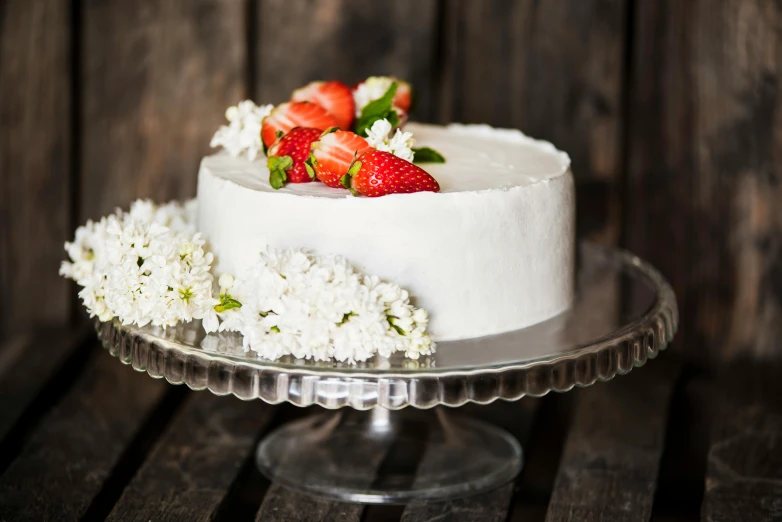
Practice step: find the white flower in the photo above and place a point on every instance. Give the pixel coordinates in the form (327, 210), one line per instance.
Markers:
(243, 133)
(226, 282)
(320, 307)
(146, 266)
(400, 145)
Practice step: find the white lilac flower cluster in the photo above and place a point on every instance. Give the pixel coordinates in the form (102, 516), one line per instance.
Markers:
(320, 307)
(370, 90)
(242, 135)
(149, 266)
(145, 266)
(400, 144)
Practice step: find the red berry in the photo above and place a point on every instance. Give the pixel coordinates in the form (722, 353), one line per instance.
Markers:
(287, 157)
(404, 96)
(286, 116)
(333, 155)
(377, 173)
(335, 97)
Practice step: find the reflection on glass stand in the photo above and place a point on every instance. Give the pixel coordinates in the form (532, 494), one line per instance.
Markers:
(624, 314)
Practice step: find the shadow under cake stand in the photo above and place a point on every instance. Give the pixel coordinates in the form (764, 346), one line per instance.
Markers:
(624, 314)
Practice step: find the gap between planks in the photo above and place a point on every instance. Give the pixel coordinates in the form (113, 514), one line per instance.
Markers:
(609, 468)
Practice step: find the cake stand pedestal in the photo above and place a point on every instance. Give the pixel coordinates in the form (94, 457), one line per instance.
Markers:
(374, 449)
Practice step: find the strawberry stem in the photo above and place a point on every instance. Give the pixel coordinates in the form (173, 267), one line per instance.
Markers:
(278, 168)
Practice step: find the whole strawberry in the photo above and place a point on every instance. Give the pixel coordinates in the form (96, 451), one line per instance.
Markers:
(288, 156)
(334, 153)
(377, 173)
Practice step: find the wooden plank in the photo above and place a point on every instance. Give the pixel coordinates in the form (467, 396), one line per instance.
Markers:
(157, 78)
(35, 161)
(361, 464)
(283, 505)
(493, 505)
(611, 458)
(70, 455)
(704, 172)
(554, 70)
(346, 40)
(12, 348)
(744, 466)
(189, 472)
(39, 359)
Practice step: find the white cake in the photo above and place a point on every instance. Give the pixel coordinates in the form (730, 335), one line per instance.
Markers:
(492, 252)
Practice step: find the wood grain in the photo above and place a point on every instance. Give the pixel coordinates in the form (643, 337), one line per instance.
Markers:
(611, 458)
(361, 464)
(70, 455)
(194, 463)
(41, 357)
(493, 505)
(554, 70)
(704, 170)
(346, 40)
(157, 78)
(35, 161)
(283, 505)
(744, 473)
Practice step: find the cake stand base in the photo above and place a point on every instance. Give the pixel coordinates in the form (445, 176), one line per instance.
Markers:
(385, 456)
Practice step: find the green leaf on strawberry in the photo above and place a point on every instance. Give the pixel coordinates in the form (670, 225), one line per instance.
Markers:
(278, 168)
(377, 110)
(310, 170)
(427, 155)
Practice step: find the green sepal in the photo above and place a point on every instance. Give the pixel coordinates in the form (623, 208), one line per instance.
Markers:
(227, 303)
(354, 168)
(329, 131)
(377, 110)
(427, 155)
(395, 327)
(345, 181)
(309, 170)
(278, 166)
(274, 329)
(345, 318)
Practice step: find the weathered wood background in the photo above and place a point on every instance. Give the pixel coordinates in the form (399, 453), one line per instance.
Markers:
(669, 109)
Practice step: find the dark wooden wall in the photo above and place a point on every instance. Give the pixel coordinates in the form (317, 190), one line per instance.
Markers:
(669, 109)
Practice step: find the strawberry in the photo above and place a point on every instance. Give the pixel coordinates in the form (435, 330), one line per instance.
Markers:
(377, 173)
(403, 98)
(334, 153)
(288, 156)
(286, 116)
(335, 97)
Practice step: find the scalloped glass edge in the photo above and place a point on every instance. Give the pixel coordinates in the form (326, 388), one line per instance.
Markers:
(629, 347)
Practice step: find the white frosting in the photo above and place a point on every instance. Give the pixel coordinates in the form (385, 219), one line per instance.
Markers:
(492, 252)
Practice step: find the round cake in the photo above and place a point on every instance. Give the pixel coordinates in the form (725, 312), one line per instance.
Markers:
(492, 252)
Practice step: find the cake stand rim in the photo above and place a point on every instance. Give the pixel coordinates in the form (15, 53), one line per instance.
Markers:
(599, 360)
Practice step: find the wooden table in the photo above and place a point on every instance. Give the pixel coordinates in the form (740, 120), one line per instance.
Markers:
(83, 437)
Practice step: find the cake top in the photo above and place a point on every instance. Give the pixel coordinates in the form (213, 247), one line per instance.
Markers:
(357, 139)
(479, 157)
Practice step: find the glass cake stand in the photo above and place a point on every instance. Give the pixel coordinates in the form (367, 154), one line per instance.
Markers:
(624, 314)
